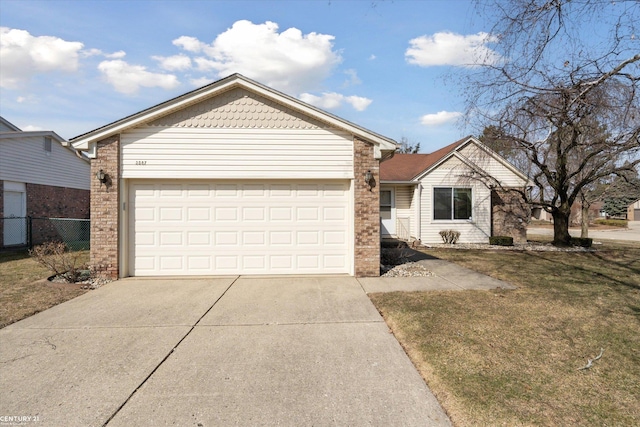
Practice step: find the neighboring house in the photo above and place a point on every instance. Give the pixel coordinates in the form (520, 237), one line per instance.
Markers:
(633, 211)
(463, 186)
(538, 212)
(41, 176)
(234, 178)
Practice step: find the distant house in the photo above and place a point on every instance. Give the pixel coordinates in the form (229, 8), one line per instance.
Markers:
(41, 176)
(463, 186)
(633, 211)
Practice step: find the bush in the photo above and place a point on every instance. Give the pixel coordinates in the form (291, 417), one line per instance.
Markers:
(612, 222)
(584, 242)
(450, 237)
(501, 240)
(56, 257)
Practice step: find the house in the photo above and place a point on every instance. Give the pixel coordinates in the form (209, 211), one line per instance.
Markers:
(41, 176)
(234, 178)
(633, 211)
(464, 186)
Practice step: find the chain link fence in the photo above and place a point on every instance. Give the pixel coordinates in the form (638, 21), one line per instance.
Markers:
(29, 231)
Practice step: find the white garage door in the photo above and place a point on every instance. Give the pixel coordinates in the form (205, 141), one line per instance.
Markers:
(248, 227)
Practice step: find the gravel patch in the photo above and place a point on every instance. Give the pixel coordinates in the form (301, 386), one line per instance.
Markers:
(87, 282)
(534, 247)
(409, 269)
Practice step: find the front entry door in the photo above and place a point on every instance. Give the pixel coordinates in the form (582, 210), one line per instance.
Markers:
(387, 212)
(15, 230)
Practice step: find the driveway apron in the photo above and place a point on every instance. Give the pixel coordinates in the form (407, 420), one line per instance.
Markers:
(213, 351)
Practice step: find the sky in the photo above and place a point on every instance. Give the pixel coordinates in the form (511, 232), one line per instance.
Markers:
(389, 66)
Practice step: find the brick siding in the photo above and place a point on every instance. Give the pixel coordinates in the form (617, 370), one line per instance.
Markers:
(510, 215)
(45, 201)
(105, 217)
(367, 211)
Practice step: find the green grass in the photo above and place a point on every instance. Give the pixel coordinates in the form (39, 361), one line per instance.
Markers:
(512, 357)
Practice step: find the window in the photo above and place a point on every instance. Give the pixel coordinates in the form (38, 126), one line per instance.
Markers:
(385, 204)
(47, 144)
(452, 203)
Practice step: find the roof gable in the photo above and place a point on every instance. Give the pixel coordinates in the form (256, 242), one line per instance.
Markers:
(406, 167)
(87, 141)
(410, 167)
(239, 108)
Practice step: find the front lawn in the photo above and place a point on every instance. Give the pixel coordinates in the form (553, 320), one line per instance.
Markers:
(25, 290)
(512, 357)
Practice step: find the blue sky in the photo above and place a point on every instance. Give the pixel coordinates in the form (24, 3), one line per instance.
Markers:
(72, 66)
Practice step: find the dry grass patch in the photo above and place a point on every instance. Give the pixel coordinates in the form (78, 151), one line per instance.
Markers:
(25, 290)
(512, 357)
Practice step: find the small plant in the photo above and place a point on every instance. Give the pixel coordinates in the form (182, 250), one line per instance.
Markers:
(501, 240)
(584, 242)
(56, 257)
(450, 237)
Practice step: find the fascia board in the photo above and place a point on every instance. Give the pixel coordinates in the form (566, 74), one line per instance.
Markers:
(399, 182)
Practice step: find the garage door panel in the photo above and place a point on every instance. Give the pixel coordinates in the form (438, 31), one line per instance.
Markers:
(199, 227)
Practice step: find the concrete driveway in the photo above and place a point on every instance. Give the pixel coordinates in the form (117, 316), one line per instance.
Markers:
(215, 351)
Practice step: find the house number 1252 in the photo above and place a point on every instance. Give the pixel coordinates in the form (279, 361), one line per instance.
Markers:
(141, 162)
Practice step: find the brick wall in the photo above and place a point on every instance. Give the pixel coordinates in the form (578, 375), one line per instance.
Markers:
(105, 208)
(45, 201)
(510, 215)
(367, 211)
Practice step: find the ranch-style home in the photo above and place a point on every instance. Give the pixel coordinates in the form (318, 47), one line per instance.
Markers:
(234, 178)
(464, 186)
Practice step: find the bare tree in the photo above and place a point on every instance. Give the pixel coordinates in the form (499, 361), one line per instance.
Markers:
(564, 93)
(407, 147)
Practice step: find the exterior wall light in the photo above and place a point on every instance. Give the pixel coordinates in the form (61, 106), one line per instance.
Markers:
(368, 179)
(102, 176)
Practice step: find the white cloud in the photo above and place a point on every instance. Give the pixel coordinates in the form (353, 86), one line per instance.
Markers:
(190, 44)
(372, 57)
(200, 81)
(174, 63)
(289, 60)
(126, 78)
(116, 55)
(446, 48)
(86, 53)
(332, 100)
(353, 78)
(23, 55)
(440, 118)
(31, 128)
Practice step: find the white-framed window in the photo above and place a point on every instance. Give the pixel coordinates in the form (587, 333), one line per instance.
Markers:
(452, 203)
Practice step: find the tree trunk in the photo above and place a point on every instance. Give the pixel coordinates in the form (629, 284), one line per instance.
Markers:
(584, 221)
(561, 236)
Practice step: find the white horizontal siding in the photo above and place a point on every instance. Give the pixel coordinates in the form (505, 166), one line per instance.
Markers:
(237, 153)
(404, 208)
(23, 159)
(477, 230)
(492, 166)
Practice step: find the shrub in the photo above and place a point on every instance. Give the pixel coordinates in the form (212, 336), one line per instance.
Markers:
(501, 240)
(612, 222)
(584, 242)
(56, 257)
(450, 237)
